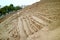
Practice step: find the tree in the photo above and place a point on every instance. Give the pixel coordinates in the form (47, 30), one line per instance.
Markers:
(18, 7)
(11, 7)
(7, 9)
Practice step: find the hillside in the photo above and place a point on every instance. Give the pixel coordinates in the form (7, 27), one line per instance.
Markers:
(40, 21)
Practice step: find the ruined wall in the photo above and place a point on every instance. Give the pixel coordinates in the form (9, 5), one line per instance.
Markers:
(8, 28)
(40, 21)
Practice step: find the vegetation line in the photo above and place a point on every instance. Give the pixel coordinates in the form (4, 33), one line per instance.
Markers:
(7, 9)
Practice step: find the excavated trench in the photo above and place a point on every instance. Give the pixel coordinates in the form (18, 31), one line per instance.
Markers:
(40, 21)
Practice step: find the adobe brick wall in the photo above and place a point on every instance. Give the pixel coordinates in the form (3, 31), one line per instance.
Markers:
(40, 21)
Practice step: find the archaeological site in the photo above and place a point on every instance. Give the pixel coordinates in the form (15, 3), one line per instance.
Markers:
(39, 21)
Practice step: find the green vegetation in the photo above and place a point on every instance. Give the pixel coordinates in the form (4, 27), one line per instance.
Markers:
(7, 9)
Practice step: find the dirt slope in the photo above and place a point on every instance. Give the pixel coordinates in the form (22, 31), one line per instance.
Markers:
(40, 21)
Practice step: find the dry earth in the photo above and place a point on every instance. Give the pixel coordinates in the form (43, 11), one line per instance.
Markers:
(40, 21)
